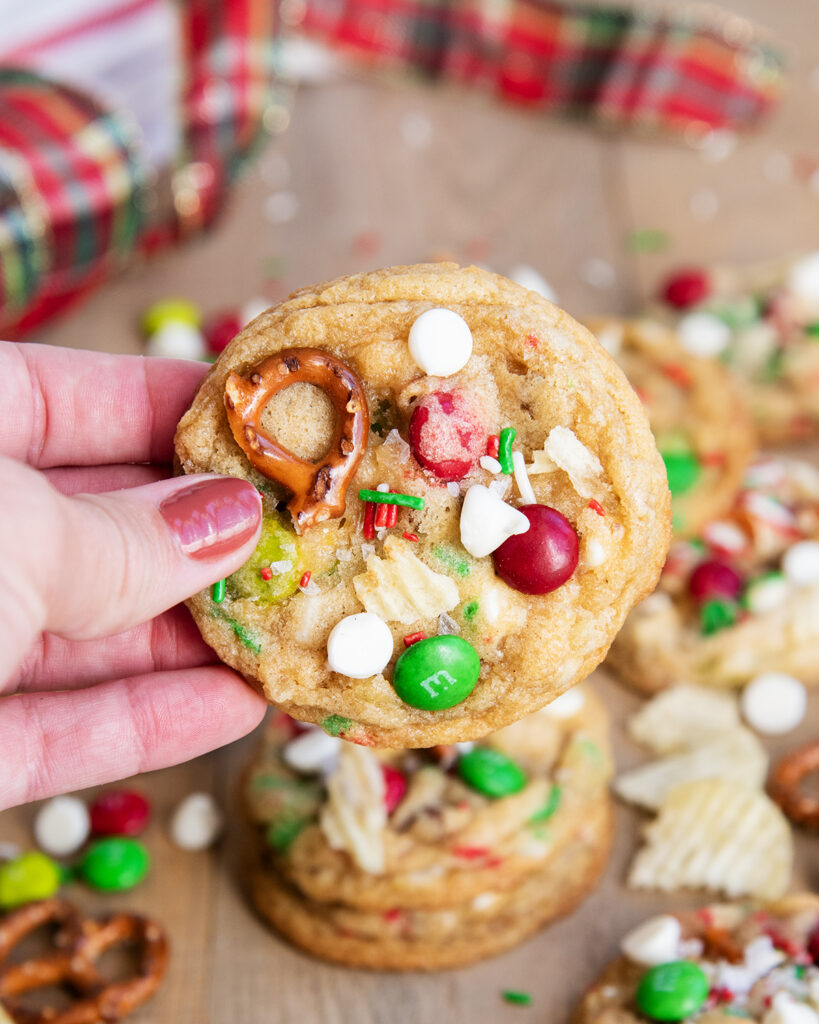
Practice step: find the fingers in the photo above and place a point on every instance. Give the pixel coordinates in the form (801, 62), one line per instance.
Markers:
(97, 479)
(166, 643)
(89, 407)
(54, 743)
(90, 566)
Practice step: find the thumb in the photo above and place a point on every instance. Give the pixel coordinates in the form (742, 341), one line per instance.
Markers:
(91, 565)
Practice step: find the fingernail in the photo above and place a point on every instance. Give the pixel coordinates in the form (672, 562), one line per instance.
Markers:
(213, 517)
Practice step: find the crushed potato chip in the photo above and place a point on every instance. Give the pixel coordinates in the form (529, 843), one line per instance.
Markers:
(736, 754)
(683, 717)
(716, 834)
(400, 588)
(354, 817)
(563, 450)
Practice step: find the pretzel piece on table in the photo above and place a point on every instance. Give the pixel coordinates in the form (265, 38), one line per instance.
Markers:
(786, 785)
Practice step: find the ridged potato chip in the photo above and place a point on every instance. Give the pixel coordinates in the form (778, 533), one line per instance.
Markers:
(716, 834)
(683, 717)
(401, 588)
(736, 755)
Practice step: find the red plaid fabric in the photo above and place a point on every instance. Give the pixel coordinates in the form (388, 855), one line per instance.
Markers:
(667, 70)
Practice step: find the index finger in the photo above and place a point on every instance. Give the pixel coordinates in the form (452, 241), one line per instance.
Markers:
(69, 407)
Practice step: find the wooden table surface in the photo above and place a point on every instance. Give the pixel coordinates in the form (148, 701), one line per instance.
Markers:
(373, 173)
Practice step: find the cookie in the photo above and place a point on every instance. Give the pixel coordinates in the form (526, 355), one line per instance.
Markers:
(694, 406)
(430, 858)
(444, 837)
(762, 322)
(467, 398)
(748, 962)
(740, 600)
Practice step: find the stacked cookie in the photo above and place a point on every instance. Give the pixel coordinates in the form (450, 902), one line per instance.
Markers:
(428, 859)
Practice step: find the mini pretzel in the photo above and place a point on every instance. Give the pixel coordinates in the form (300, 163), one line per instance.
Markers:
(786, 785)
(319, 488)
(78, 944)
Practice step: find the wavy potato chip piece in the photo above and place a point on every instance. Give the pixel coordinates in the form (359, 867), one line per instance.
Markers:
(683, 717)
(354, 817)
(716, 834)
(736, 755)
(401, 588)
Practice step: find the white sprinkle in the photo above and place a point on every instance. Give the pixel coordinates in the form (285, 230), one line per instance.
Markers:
(774, 703)
(599, 273)
(311, 751)
(416, 130)
(360, 646)
(703, 334)
(487, 521)
(175, 340)
(62, 826)
(704, 204)
(718, 145)
(440, 342)
(800, 563)
(655, 941)
(527, 495)
(489, 464)
(453, 489)
(529, 278)
(383, 488)
(197, 822)
(778, 168)
(281, 207)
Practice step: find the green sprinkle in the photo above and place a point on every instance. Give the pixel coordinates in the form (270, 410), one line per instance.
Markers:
(717, 614)
(648, 240)
(335, 725)
(217, 592)
(507, 437)
(387, 498)
(460, 566)
(800, 970)
(549, 808)
(242, 633)
(471, 610)
(517, 998)
(282, 831)
(591, 750)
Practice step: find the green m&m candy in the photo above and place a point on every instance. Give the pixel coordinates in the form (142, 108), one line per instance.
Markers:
(32, 876)
(683, 470)
(491, 772)
(437, 673)
(672, 991)
(115, 864)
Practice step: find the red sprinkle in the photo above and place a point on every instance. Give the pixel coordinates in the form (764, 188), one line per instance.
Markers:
(532, 340)
(393, 915)
(369, 520)
(595, 506)
(381, 516)
(392, 515)
(413, 638)
(266, 572)
(470, 852)
(409, 536)
(305, 579)
(493, 445)
(678, 374)
(713, 459)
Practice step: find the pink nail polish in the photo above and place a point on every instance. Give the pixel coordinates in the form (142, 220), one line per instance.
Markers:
(213, 517)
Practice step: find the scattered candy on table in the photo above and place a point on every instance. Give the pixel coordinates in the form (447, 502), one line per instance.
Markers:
(360, 646)
(440, 342)
(516, 998)
(31, 876)
(655, 941)
(437, 673)
(119, 812)
(115, 864)
(774, 703)
(672, 991)
(197, 822)
(62, 826)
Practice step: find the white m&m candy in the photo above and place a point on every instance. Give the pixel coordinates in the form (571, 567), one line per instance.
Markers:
(197, 822)
(656, 941)
(703, 334)
(175, 340)
(440, 342)
(774, 703)
(62, 826)
(360, 646)
(800, 563)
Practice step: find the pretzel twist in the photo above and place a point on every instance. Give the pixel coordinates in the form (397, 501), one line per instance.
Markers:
(78, 944)
(786, 785)
(319, 488)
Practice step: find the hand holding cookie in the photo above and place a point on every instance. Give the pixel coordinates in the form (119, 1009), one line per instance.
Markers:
(96, 547)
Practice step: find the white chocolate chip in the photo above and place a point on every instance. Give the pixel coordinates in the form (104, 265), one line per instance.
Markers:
(489, 464)
(774, 703)
(703, 334)
(656, 941)
(440, 342)
(527, 495)
(568, 704)
(487, 521)
(197, 822)
(311, 751)
(359, 646)
(176, 340)
(767, 593)
(786, 1010)
(800, 563)
(62, 826)
(594, 554)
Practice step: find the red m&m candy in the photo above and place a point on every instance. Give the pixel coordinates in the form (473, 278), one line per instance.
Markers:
(446, 434)
(395, 786)
(715, 579)
(813, 944)
(119, 812)
(220, 330)
(543, 558)
(686, 288)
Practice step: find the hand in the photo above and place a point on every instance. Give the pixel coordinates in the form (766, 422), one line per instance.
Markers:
(99, 680)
